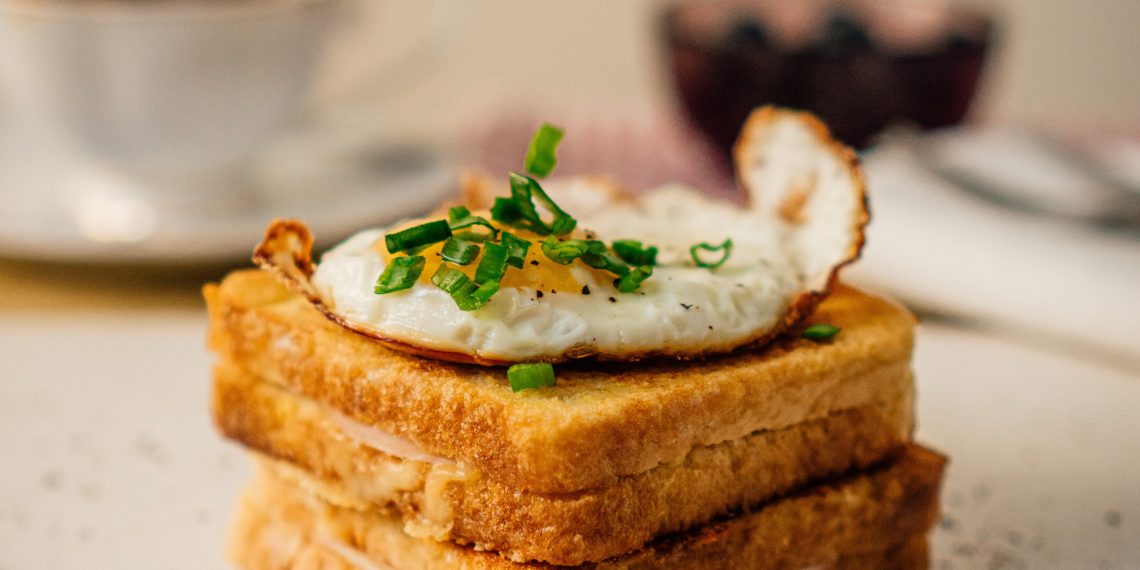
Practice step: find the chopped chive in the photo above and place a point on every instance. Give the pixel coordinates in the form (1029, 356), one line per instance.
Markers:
(598, 256)
(505, 210)
(456, 213)
(562, 223)
(519, 210)
(417, 236)
(460, 217)
(820, 332)
(473, 237)
(631, 281)
(470, 221)
(725, 249)
(516, 249)
(467, 295)
(477, 297)
(449, 279)
(540, 155)
(493, 265)
(530, 375)
(607, 262)
(632, 252)
(401, 273)
(459, 251)
(564, 251)
(522, 192)
(595, 247)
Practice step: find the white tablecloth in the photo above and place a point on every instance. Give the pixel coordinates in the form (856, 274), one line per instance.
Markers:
(110, 460)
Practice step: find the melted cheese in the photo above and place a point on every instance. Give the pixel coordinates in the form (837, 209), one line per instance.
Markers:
(352, 555)
(383, 441)
(435, 517)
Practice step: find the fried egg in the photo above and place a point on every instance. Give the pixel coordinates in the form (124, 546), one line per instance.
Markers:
(803, 219)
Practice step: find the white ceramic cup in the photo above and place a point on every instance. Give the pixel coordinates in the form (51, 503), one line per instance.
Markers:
(171, 98)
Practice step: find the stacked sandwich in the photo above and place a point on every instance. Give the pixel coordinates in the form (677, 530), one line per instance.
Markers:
(722, 405)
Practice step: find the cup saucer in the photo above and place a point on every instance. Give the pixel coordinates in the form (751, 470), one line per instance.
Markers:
(62, 210)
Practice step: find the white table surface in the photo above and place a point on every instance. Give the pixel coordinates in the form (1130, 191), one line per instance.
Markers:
(109, 459)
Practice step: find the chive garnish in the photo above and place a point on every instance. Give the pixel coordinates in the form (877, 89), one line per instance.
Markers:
(479, 296)
(540, 155)
(607, 262)
(459, 251)
(417, 236)
(631, 281)
(505, 210)
(493, 265)
(460, 217)
(725, 249)
(530, 375)
(516, 249)
(457, 213)
(629, 261)
(564, 251)
(519, 210)
(401, 273)
(595, 247)
(522, 193)
(632, 252)
(449, 279)
(467, 295)
(820, 332)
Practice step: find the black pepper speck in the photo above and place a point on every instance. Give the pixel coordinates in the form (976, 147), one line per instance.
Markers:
(585, 289)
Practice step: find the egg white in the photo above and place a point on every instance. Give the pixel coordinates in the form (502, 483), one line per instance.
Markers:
(680, 309)
(803, 220)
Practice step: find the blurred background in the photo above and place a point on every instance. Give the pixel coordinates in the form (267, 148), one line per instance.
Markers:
(1054, 61)
(144, 145)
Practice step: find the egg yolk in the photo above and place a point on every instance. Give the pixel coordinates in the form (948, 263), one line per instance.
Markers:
(538, 271)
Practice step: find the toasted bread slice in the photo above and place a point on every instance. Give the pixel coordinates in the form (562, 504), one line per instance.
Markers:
(314, 449)
(873, 519)
(599, 424)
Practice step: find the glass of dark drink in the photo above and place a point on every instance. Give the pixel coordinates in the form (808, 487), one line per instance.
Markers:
(860, 66)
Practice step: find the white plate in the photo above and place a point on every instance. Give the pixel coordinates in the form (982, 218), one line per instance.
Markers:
(337, 184)
(110, 460)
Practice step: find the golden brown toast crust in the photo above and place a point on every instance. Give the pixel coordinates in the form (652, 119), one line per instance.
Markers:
(598, 423)
(880, 516)
(560, 528)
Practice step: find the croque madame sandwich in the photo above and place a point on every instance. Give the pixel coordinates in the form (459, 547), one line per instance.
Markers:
(558, 373)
